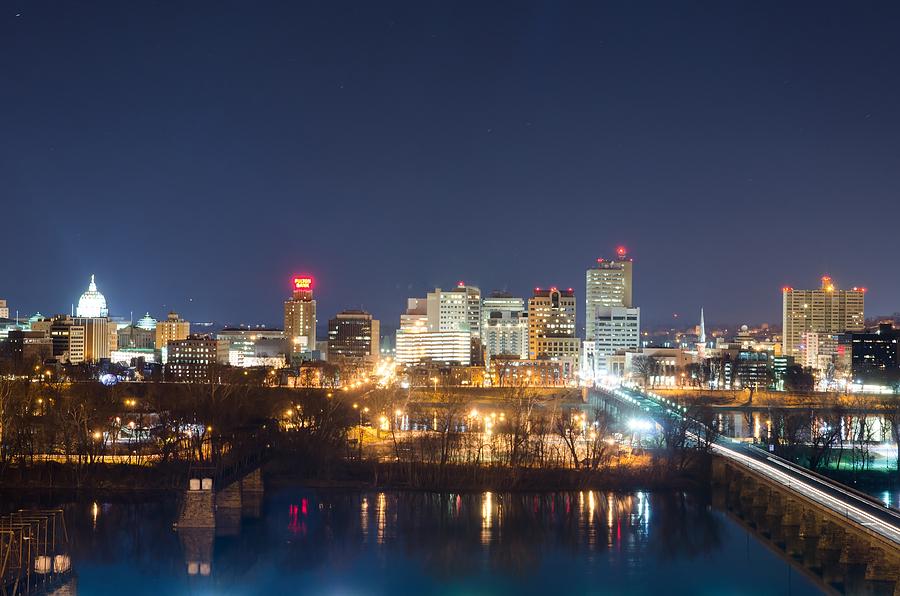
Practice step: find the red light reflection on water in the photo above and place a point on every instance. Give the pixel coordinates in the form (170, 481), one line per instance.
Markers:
(296, 525)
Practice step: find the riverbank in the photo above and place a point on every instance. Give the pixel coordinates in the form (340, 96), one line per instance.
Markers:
(98, 477)
(640, 474)
(112, 480)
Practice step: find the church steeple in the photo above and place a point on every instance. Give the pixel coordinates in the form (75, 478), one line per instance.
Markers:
(702, 328)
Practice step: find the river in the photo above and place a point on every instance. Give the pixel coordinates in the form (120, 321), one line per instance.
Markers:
(359, 543)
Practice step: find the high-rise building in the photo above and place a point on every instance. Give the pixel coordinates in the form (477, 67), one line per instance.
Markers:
(612, 323)
(825, 310)
(172, 329)
(93, 339)
(457, 309)
(92, 304)
(504, 326)
(616, 329)
(819, 350)
(195, 359)
(353, 334)
(434, 330)
(875, 355)
(608, 284)
(4, 310)
(60, 326)
(551, 328)
(76, 348)
(300, 316)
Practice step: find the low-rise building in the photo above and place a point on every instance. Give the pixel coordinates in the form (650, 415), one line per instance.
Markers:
(255, 346)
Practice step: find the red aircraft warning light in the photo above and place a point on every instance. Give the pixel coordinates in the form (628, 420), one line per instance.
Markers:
(621, 251)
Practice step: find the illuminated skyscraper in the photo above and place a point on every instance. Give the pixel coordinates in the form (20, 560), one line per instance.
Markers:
(435, 329)
(89, 339)
(825, 310)
(353, 334)
(551, 328)
(612, 323)
(174, 328)
(504, 326)
(300, 316)
(458, 309)
(608, 284)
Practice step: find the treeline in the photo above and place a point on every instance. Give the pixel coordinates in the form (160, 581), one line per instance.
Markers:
(529, 441)
(84, 429)
(842, 434)
(81, 427)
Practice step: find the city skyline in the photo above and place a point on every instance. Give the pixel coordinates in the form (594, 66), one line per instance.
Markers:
(391, 322)
(393, 148)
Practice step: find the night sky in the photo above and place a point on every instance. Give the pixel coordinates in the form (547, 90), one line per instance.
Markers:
(195, 155)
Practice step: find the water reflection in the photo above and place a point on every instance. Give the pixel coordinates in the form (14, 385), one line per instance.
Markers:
(449, 543)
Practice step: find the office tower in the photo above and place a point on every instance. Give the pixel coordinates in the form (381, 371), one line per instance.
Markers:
(504, 326)
(458, 309)
(353, 334)
(92, 303)
(875, 355)
(616, 328)
(173, 328)
(300, 316)
(92, 337)
(4, 310)
(819, 350)
(825, 310)
(195, 359)
(434, 330)
(608, 284)
(59, 334)
(612, 323)
(551, 328)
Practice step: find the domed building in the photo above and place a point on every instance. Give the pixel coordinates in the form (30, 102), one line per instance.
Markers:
(92, 303)
(147, 323)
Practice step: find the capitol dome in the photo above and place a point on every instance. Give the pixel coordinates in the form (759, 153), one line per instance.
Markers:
(147, 322)
(92, 303)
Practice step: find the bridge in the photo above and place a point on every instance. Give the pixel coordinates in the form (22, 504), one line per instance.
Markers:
(849, 540)
(219, 494)
(34, 555)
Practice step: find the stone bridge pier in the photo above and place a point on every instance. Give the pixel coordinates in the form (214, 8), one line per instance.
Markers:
(208, 511)
(834, 551)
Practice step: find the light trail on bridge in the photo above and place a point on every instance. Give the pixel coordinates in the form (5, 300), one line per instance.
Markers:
(805, 488)
(860, 509)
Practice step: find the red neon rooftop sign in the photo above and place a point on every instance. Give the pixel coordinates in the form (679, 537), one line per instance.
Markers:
(303, 282)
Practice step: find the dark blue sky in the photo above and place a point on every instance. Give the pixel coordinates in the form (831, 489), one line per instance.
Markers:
(206, 151)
